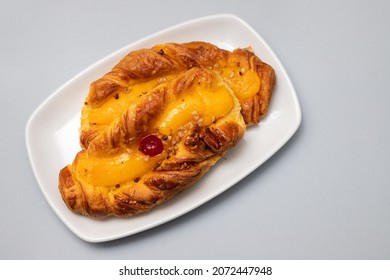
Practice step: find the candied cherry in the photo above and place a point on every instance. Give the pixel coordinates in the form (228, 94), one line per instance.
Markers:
(151, 145)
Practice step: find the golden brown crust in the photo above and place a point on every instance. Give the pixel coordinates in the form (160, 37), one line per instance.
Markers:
(164, 74)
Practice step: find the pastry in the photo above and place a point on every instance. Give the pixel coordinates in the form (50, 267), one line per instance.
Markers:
(158, 121)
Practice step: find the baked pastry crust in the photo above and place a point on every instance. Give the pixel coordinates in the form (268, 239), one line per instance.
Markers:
(197, 98)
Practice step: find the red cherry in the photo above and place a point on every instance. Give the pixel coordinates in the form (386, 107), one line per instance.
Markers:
(151, 145)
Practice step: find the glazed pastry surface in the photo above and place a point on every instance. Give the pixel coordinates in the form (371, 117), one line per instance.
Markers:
(158, 121)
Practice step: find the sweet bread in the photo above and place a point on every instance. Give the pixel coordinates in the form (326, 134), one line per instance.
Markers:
(158, 121)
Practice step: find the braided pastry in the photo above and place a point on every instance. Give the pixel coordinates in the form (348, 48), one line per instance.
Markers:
(158, 121)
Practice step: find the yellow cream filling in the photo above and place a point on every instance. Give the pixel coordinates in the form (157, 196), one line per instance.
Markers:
(200, 105)
(245, 83)
(111, 170)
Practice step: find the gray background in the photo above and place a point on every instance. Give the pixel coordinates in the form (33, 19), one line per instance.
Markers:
(324, 195)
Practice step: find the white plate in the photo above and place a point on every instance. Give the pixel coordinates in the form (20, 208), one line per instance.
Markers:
(52, 130)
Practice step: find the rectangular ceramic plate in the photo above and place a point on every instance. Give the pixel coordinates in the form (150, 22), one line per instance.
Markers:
(52, 130)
